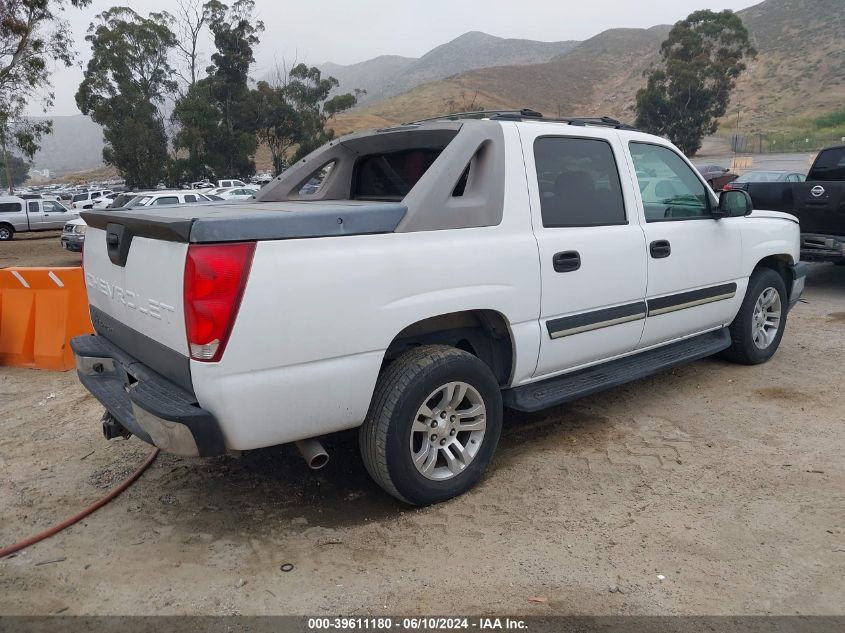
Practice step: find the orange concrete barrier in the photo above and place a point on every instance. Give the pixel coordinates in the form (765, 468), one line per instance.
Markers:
(41, 309)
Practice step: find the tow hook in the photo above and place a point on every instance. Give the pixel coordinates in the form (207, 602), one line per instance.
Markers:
(112, 428)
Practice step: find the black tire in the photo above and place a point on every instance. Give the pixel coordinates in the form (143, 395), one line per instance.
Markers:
(7, 232)
(743, 350)
(385, 436)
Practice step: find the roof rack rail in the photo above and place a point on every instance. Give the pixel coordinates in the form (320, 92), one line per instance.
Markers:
(526, 114)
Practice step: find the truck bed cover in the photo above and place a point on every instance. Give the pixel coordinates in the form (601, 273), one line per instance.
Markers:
(253, 220)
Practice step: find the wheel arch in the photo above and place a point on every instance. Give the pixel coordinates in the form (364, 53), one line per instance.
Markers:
(782, 265)
(483, 333)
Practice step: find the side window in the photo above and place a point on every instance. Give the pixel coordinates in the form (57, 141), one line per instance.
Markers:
(669, 187)
(578, 181)
(315, 182)
(54, 207)
(190, 198)
(10, 207)
(166, 200)
(33, 207)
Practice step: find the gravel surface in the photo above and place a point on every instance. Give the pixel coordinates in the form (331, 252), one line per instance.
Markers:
(711, 489)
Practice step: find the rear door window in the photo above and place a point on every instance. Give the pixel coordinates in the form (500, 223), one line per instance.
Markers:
(166, 200)
(33, 207)
(190, 198)
(579, 182)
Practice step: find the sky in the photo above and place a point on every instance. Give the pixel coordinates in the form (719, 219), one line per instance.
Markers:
(350, 31)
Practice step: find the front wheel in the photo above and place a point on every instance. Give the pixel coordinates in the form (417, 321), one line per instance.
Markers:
(757, 330)
(433, 424)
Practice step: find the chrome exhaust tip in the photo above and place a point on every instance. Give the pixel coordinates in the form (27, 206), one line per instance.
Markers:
(313, 453)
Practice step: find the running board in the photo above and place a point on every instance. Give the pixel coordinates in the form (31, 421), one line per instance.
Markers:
(560, 389)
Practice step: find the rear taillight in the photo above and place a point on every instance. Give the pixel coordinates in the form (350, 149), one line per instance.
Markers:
(215, 277)
(727, 187)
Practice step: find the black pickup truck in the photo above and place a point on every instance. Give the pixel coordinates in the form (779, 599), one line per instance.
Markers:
(818, 203)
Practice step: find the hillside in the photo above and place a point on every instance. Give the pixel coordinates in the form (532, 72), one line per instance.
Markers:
(799, 73)
(592, 78)
(388, 75)
(800, 68)
(75, 144)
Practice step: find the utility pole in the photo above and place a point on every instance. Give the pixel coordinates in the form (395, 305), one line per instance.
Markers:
(736, 128)
(8, 167)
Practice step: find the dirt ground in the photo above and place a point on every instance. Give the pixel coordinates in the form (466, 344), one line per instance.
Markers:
(37, 249)
(712, 489)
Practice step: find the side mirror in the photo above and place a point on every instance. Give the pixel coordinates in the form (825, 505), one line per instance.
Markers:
(733, 203)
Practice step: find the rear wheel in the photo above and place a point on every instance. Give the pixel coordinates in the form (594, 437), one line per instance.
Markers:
(757, 330)
(433, 424)
(6, 232)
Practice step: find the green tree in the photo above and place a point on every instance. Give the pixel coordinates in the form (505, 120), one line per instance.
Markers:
(18, 169)
(197, 121)
(125, 83)
(228, 140)
(308, 91)
(33, 37)
(277, 122)
(690, 89)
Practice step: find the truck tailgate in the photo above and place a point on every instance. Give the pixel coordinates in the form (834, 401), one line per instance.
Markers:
(145, 293)
(134, 262)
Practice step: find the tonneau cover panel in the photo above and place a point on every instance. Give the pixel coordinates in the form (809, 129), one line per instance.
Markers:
(253, 220)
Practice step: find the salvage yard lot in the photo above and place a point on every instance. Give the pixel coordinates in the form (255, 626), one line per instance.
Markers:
(726, 481)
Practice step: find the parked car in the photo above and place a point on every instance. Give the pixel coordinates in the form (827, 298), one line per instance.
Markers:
(165, 198)
(818, 203)
(122, 199)
(236, 193)
(440, 270)
(104, 201)
(716, 176)
(18, 215)
(73, 235)
(770, 175)
(86, 200)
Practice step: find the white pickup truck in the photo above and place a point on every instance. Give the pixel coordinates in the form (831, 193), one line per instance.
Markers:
(439, 271)
(24, 215)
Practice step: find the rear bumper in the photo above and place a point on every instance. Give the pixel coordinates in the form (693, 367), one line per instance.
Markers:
(799, 278)
(822, 248)
(143, 402)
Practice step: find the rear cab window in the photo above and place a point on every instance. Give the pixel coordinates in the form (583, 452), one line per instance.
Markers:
(829, 165)
(391, 176)
(578, 181)
(10, 207)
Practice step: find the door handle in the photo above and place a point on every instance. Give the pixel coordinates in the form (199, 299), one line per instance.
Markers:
(660, 249)
(567, 261)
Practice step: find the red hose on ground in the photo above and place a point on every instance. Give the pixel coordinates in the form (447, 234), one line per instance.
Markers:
(81, 515)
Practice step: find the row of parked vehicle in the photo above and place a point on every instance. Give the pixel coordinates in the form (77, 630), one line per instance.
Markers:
(30, 212)
(721, 178)
(73, 233)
